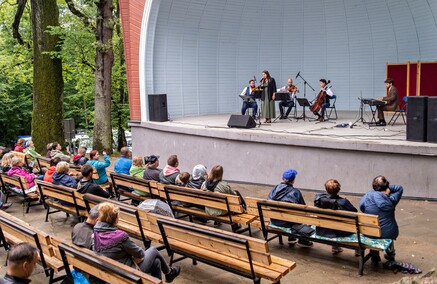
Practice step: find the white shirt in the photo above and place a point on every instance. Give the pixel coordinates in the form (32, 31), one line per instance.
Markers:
(243, 93)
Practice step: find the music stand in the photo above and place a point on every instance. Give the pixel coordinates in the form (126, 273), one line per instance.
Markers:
(303, 102)
(247, 99)
(282, 96)
(305, 83)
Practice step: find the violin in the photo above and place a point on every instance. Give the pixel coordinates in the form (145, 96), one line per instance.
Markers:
(255, 89)
(293, 89)
(317, 104)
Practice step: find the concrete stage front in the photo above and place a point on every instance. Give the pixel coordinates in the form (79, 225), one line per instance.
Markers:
(318, 151)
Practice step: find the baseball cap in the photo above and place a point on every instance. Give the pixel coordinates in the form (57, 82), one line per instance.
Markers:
(289, 174)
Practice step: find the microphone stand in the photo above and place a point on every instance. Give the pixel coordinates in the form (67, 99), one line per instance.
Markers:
(305, 83)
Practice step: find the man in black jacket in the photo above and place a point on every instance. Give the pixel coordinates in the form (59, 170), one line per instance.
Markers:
(22, 260)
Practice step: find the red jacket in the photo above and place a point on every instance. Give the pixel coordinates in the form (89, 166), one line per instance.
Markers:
(48, 175)
(18, 148)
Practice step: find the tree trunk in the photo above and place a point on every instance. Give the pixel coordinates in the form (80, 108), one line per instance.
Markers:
(48, 84)
(102, 137)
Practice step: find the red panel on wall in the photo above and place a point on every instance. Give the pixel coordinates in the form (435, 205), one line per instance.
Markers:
(428, 79)
(399, 75)
(413, 79)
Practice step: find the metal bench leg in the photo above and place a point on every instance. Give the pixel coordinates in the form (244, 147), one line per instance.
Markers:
(47, 214)
(257, 280)
(28, 206)
(280, 240)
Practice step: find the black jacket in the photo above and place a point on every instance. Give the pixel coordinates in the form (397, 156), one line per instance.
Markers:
(335, 202)
(8, 279)
(80, 161)
(197, 184)
(88, 186)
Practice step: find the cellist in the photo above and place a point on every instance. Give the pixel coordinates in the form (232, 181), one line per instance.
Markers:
(328, 94)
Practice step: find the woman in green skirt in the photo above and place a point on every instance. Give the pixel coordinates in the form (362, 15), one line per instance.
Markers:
(268, 85)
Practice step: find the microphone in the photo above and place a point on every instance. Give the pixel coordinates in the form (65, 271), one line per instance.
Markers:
(254, 78)
(297, 75)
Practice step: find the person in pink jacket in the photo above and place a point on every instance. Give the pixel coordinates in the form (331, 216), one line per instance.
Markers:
(17, 169)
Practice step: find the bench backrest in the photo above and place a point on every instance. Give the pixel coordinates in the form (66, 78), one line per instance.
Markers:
(230, 203)
(25, 158)
(157, 188)
(102, 267)
(139, 184)
(211, 243)
(43, 162)
(326, 218)
(14, 180)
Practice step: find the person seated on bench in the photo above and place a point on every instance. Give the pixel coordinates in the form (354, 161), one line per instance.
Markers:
(86, 184)
(170, 171)
(19, 146)
(152, 172)
(116, 244)
(30, 150)
(382, 201)
(198, 177)
(82, 234)
(182, 179)
(79, 159)
(56, 152)
(61, 177)
(49, 150)
(286, 192)
(21, 262)
(17, 169)
(100, 166)
(124, 163)
(48, 176)
(331, 200)
(137, 170)
(6, 164)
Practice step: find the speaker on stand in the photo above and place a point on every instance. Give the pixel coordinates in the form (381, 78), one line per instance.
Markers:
(417, 119)
(432, 120)
(158, 108)
(241, 121)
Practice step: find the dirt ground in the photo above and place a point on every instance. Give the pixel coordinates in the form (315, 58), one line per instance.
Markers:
(416, 244)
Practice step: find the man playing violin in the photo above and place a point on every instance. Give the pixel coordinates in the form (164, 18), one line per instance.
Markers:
(249, 92)
(289, 104)
(328, 94)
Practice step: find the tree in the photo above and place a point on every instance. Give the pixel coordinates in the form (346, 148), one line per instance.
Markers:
(102, 137)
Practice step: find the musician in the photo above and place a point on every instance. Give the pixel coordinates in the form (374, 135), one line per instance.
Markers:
(268, 85)
(249, 91)
(328, 95)
(289, 104)
(391, 100)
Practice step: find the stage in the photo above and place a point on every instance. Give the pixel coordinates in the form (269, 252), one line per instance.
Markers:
(318, 151)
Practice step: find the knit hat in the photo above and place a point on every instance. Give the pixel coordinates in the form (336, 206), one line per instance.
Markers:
(289, 175)
(198, 171)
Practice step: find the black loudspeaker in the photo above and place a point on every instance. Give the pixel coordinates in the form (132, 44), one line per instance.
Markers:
(69, 129)
(432, 120)
(417, 118)
(241, 121)
(158, 108)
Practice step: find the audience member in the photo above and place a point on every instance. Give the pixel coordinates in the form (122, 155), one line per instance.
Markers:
(17, 169)
(124, 163)
(83, 232)
(198, 178)
(382, 201)
(49, 150)
(19, 146)
(170, 171)
(79, 159)
(48, 176)
(56, 152)
(116, 244)
(152, 172)
(6, 162)
(21, 261)
(331, 200)
(137, 170)
(30, 150)
(286, 192)
(182, 179)
(100, 166)
(86, 184)
(62, 177)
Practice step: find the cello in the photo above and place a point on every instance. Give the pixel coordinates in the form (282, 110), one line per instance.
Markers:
(317, 103)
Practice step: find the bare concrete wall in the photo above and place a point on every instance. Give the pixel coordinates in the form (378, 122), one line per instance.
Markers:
(263, 162)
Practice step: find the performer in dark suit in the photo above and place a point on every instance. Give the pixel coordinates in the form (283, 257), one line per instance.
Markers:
(391, 100)
(268, 84)
(249, 91)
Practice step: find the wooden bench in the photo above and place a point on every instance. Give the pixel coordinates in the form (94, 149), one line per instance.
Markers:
(42, 162)
(122, 181)
(17, 186)
(239, 254)
(52, 195)
(195, 197)
(132, 220)
(14, 231)
(345, 221)
(101, 267)
(25, 159)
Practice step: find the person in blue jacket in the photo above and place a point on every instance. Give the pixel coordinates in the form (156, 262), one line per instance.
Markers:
(62, 177)
(123, 165)
(382, 201)
(100, 166)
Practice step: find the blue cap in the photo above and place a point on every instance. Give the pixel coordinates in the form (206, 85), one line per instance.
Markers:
(289, 174)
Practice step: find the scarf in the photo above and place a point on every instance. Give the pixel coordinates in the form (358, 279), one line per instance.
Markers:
(108, 239)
